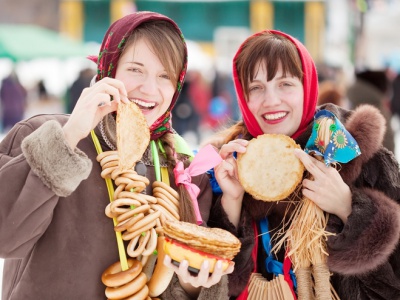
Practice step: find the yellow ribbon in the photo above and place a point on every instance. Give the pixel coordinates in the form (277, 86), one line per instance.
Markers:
(110, 188)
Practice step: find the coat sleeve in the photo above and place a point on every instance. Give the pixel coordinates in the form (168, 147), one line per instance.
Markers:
(36, 169)
(372, 231)
(218, 291)
(244, 232)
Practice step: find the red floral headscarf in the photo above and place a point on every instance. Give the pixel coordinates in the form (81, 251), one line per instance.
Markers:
(110, 52)
(310, 86)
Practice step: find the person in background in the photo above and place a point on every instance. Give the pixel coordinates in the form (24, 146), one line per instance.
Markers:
(329, 92)
(54, 235)
(373, 87)
(13, 98)
(277, 87)
(75, 90)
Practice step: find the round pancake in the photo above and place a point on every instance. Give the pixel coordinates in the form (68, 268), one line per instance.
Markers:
(269, 170)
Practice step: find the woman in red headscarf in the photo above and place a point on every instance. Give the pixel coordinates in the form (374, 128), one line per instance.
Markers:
(277, 88)
(54, 235)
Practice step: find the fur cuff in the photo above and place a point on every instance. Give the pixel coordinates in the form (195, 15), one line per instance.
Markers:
(59, 167)
(369, 236)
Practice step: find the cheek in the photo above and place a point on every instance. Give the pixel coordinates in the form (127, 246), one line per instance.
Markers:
(253, 107)
(168, 93)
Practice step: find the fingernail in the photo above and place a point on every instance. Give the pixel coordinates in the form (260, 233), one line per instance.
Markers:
(205, 264)
(219, 264)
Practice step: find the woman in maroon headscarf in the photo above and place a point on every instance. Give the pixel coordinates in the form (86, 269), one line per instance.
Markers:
(277, 88)
(54, 234)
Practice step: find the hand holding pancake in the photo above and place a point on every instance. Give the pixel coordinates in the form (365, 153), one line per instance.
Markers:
(226, 172)
(327, 189)
(203, 278)
(87, 113)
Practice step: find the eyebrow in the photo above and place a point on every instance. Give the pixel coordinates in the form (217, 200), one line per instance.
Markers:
(134, 62)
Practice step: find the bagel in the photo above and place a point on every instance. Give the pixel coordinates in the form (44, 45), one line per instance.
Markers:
(128, 289)
(113, 276)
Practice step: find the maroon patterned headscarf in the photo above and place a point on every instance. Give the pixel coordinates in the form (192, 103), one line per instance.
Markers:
(110, 52)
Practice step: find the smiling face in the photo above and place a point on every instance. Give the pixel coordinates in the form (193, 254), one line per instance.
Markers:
(146, 80)
(277, 104)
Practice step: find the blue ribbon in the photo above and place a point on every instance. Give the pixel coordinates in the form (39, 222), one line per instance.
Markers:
(273, 266)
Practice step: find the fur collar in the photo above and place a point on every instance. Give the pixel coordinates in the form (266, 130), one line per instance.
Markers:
(367, 125)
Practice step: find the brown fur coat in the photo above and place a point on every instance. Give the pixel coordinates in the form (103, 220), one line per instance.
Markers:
(364, 255)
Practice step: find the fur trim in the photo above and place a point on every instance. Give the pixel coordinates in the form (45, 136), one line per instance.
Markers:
(369, 237)
(367, 125)
(218, 291)
(59, 167)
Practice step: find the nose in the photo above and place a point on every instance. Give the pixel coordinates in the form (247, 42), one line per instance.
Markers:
(271, 98)
(149, 85)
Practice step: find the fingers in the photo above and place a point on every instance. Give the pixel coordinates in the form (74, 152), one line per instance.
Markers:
(113, 89)
(238, 145)
(314, 166)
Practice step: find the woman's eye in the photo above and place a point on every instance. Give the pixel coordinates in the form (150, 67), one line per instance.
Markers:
(165, 76)
(134, 70)
(253, 88)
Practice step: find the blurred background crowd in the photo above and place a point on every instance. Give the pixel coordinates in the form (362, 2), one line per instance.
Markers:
(355, 43)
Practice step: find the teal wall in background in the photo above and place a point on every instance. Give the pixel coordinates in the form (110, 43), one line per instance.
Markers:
(198, 20)
(289, 18)
(97, 20)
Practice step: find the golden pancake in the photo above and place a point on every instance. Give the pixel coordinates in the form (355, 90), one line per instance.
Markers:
(210, 240)
(133, 135)
(269, 170)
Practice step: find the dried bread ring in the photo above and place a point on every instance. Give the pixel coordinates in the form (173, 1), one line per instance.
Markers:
(165, 214)
(131, 195)
(106, 173)
(113, 163)
(159, 190)
(135, 177)
(166, 187)
(124, 225)
(108, 158)
(269, 170)
(142, 294)
(147, 219)
(104, 154)
(151, 244)
(142, 239)
(164, 201)
(129, 214)
(116, 206)
(168, 206)
(113, 276)
(128, 289)
(126, 236)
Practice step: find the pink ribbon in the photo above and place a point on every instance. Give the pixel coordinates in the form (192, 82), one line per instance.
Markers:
(204, 160)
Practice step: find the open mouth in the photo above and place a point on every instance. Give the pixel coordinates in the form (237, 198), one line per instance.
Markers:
(144, 105)
(275, 116)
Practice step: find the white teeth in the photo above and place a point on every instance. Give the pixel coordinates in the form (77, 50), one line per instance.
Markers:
(276, 116)
(144, 104)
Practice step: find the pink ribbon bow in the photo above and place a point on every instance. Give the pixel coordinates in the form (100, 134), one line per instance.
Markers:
(204, 160)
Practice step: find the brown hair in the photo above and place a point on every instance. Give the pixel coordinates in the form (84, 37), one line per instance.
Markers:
(271, 50)
(166, 43)
(186, 209)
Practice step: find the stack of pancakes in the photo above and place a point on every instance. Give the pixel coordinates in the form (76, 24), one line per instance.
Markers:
(196, 243)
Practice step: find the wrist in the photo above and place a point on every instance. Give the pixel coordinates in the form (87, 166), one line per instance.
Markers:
(70, 138)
